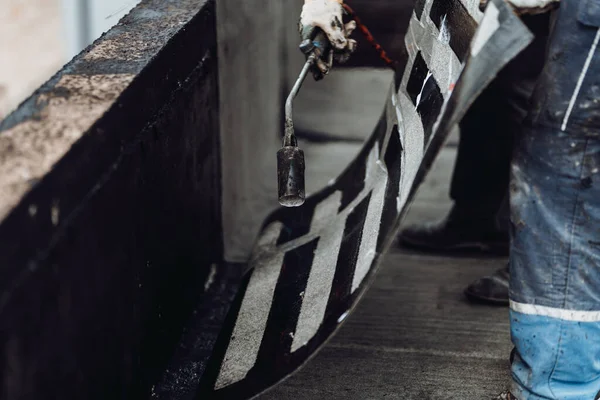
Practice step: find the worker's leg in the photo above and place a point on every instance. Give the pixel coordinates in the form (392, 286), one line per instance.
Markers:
(555, 266)
(516, 83)
(481, 174)
(555, 207)
(479, 183)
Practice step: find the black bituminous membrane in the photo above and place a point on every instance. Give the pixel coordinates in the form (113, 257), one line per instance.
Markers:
(461, 26)
(418, 73)
(274, 355)
(380, 131)
(419, 6)
(348, 254)
(297, 222)
(430, 106)
(285, 309)
(393, 163)
(431, 101)
(353, 184)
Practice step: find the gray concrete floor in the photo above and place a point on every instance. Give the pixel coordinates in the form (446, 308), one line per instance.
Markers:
(413, 336)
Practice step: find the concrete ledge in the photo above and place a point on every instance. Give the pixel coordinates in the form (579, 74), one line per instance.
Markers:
(109, 204)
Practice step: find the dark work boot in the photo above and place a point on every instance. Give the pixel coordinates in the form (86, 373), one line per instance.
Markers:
(492, 289)
(459, 231)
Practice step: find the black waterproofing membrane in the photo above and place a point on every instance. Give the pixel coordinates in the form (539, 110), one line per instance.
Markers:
(312, 264)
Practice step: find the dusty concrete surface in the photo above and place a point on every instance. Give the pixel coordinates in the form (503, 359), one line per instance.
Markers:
(28, 150)
(34, 138)
(32, 48)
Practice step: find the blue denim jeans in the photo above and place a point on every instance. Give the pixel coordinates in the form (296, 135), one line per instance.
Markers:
(555, 219)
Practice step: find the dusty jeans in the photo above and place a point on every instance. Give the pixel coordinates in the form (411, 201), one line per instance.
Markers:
(555, 218)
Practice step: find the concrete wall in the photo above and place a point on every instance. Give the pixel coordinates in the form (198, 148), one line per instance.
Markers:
(114, 213)
(251, 75)
(109, 209)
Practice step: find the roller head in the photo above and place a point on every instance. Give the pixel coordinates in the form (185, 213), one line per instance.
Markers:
(290, 176)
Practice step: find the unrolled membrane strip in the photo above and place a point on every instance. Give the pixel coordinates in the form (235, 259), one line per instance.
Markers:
(312, 264)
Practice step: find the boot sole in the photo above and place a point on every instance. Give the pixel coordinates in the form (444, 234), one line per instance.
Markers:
(475, 298)
(496, 248)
